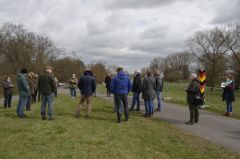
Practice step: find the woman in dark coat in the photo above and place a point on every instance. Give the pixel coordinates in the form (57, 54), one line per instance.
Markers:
(228, 94)
(193, 91)
(7, 87)
(148, 93)
(108, 80)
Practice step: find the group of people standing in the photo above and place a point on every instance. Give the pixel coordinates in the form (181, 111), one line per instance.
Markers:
(150, 87)
(29, 85)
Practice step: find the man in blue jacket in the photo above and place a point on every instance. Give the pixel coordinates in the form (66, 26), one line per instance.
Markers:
(87, 86)
(120, 87)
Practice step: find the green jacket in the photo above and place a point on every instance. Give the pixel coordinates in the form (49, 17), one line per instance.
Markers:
(22, 85)
(46, 84)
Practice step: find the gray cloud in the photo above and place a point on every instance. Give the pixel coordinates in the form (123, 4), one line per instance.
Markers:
(229, 13)
(124, 4)
(122, 32)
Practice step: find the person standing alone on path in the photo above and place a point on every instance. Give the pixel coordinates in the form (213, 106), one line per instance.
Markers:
(193, 91)
(148, 93)
(87, 85)
(47, 88)
(120, 87)
(108, 80)
(23, 90)
(136, 89)
(7, 89)
(158, 89)
(73, 85)
(228, 95)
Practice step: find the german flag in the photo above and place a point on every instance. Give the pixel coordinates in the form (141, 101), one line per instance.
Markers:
(202, 79)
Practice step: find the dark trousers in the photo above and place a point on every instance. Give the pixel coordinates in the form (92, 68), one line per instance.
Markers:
(194, 113)
(122, 98)
(7, 100)
(108, 92)
(34, 96)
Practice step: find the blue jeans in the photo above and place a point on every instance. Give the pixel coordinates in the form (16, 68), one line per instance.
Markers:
(7, 100)
(47, 100)
(229, 107)
(158, 94)
(136, 99)
(73, 92)
(21, 104)
(148, 107)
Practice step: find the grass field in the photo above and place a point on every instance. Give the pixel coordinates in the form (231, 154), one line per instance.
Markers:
(213, 99)
(97, 137)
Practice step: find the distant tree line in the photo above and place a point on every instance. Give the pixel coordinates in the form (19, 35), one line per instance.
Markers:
(216, 49)
(22, 48)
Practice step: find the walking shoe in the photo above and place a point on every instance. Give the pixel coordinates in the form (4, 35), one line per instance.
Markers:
(196, 121)
(226, 114)
(189, 123)
(44, 118)
(50, 119)
(229, 115)
(77, 115)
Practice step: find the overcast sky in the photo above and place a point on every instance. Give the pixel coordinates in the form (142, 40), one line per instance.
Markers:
(128, 33)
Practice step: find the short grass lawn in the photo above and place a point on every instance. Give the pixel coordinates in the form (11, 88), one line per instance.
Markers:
(97, 137)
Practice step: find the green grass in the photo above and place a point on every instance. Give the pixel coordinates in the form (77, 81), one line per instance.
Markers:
(177, 94)
(98, 137)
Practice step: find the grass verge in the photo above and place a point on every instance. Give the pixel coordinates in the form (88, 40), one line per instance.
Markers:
(98, 136)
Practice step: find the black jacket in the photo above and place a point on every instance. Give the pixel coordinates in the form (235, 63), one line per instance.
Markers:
(192, 91)
(87, 83)
(137, 84)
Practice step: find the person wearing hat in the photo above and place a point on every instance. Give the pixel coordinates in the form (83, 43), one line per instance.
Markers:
(73, 85)
(87, 86)
(23, 89)
(136, 89)
(120, 86)
(158, 89)
(47, 88)
(193, 91)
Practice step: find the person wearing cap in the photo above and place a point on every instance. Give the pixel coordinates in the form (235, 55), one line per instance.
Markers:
(87, 86)
(73, 85)
(7, 89)
(47, 88)
(136, 89)
(120, 86)
(193, 91)
(159, 88)
(148, 93)
(23, 89)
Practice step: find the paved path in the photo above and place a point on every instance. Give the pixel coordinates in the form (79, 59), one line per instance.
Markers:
(218, 129)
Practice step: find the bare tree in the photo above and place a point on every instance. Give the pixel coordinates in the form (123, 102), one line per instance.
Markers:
(208, 46)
